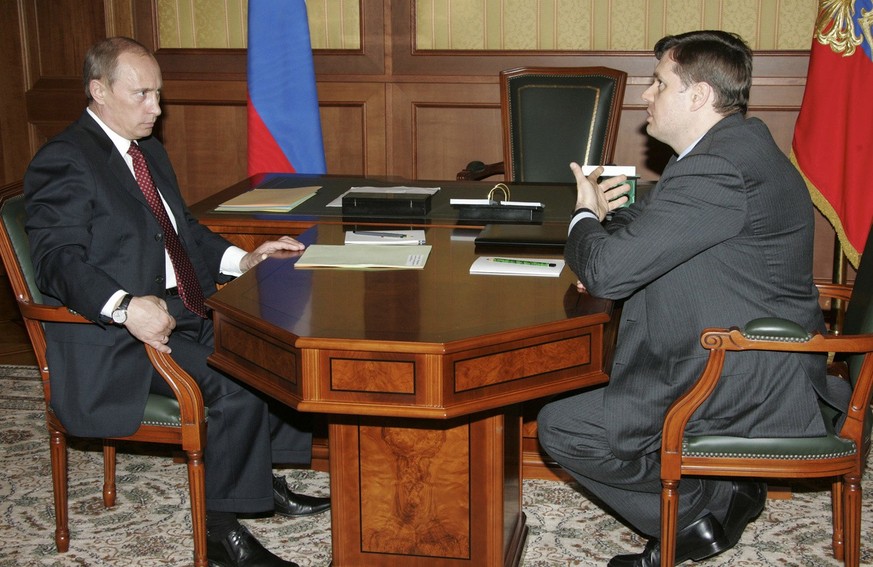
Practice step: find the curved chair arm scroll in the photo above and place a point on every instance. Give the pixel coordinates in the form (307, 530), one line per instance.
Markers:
(187, 393)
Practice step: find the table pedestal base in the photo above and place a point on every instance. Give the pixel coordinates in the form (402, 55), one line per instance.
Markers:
(419, 492)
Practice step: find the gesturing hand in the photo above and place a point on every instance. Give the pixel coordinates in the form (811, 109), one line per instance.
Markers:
(603, 197)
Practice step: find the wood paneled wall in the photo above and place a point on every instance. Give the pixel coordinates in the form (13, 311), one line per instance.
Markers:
(386, 109)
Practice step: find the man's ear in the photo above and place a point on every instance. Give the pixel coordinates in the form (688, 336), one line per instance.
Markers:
(701, 94)
(97, 89)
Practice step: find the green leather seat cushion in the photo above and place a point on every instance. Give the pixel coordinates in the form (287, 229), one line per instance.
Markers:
(161, 410)
(799, 448)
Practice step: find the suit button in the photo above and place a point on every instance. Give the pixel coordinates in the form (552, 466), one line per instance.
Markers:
(159, 279)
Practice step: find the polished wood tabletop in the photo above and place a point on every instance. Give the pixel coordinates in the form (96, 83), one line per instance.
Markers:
(422, 374)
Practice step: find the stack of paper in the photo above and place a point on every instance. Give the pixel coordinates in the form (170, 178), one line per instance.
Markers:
(505, 266)
(339, 256)
(389, 237)
(268, 200)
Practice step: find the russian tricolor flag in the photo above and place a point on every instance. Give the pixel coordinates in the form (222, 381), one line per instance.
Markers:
(833, 135)
(284, 126)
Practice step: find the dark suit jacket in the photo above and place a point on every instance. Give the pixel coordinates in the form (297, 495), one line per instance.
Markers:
(92, 233)
(726, 236)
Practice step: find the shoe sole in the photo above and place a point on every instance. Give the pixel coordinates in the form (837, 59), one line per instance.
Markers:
(716, 547)
(284, 515)
(720, 544)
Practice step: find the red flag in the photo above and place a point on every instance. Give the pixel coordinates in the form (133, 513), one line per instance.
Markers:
(833, 137)
(284, 125)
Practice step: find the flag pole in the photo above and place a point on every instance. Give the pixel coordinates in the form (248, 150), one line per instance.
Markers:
(838, 307)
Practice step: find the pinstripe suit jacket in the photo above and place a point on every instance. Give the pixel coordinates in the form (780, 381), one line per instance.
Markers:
(725, 236)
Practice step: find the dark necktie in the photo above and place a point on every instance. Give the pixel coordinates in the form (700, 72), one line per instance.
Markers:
(186, 280)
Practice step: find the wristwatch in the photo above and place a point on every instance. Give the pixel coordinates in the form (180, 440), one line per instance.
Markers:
(119, 314)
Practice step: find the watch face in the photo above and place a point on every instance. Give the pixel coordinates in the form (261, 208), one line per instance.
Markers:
(119, 316)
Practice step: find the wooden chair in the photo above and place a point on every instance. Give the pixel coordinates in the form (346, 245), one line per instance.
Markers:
(180, 420)
(841, 455)
(552, 116)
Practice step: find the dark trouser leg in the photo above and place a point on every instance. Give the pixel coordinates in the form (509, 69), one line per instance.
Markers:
(291, 435)
(238, 451)
(571, 431)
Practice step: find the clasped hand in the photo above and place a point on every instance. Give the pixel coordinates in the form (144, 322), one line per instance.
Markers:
(149, 321)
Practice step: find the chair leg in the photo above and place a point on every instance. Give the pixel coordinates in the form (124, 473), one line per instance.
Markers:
(109, 488)
(197, 490)
(669, 519)
(838, 543)
(852, 510)
(58, 451)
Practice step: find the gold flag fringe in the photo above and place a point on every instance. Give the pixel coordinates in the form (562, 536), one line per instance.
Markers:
(824, 206)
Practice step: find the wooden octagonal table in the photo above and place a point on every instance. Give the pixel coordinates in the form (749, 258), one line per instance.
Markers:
(421, 374)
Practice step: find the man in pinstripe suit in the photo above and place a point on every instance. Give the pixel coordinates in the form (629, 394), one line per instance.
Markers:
(725, 236)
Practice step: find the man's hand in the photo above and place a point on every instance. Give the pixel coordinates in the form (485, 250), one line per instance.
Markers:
(149, 321)
(260, 253)
(601, 197)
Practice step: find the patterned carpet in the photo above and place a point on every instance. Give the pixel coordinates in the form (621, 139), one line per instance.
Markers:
(150, 524)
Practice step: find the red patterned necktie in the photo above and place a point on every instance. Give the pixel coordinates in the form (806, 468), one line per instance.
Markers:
(186, 280)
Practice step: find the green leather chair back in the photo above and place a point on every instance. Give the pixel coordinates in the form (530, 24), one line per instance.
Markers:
(555, 115)
(14, 216)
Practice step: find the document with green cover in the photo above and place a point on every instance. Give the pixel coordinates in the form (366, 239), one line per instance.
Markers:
(357, 257)
(511, 266)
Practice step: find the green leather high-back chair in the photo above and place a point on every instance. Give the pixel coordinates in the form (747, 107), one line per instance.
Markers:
(180, 420)
(552, 116)
(840, 455)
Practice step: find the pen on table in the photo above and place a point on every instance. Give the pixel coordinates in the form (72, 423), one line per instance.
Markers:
(382, 234)
(524, 262)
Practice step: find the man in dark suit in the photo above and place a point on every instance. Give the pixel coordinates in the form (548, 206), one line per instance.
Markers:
(726, 236)
(100, 249)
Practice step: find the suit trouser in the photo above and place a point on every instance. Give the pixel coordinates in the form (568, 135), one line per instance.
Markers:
(571, 431)
(243, 436)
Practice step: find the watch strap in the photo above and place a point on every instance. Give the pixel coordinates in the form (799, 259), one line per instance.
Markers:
(125, 301)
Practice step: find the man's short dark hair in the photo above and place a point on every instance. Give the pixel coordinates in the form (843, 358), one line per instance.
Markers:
(101, 61)
(720, 59)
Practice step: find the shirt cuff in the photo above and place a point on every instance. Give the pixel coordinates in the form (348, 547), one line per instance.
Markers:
(230, 262)
(583, 214)
(110, 305)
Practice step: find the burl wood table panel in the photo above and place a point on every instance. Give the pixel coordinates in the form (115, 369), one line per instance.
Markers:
(422, 374)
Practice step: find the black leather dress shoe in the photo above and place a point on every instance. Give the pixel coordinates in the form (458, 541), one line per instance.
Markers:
(699, 540)
(240, 549)
(747, 502)
(287, 503)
